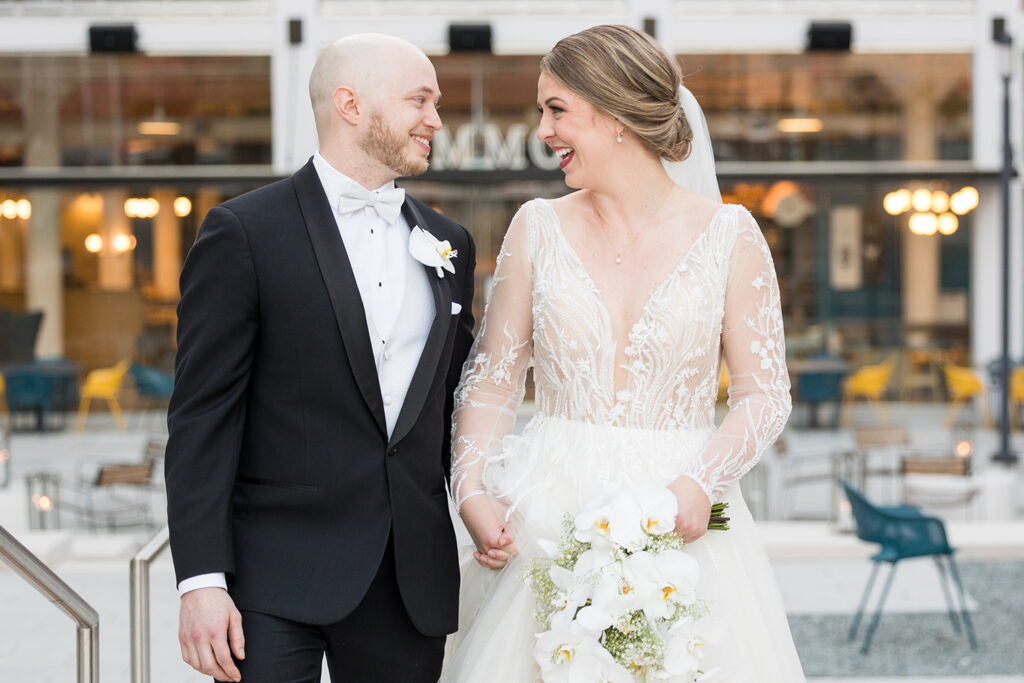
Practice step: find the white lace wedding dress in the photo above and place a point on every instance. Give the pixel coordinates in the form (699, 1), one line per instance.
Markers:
(544, 310)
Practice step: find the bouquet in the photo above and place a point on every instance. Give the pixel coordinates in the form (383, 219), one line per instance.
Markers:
(617, 596)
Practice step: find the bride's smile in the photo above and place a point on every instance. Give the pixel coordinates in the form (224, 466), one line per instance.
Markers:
(582, 137)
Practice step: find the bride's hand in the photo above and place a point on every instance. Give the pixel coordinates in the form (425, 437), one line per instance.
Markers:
(493, 542)
(694, 509)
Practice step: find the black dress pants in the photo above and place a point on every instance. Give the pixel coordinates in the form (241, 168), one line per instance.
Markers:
(376, 643)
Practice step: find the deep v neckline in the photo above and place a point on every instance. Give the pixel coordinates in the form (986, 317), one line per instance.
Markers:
(651, 296)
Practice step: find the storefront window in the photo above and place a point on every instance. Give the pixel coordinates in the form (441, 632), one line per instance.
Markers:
(103, 110)
(843, 262)
(118, 247)
(834, 107)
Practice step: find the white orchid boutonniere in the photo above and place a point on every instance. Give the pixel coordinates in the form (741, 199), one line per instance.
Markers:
(431, 251)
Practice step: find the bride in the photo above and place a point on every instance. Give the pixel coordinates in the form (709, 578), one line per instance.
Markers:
(621, 296)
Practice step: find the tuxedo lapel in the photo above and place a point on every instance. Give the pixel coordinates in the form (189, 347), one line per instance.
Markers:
(336, 271)
(426, 369)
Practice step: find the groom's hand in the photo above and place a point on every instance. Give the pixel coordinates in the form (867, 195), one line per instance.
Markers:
(208, 622)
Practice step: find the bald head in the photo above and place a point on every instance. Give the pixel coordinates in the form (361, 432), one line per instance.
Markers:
(367, 63)
(375, 102)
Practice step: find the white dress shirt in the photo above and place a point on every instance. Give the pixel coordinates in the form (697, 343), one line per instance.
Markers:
(396, 298)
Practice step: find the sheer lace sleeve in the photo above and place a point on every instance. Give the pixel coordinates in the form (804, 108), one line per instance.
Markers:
(752, 336)
(494, 376)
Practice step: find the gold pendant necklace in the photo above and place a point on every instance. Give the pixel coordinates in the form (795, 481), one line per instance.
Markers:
(647, 223)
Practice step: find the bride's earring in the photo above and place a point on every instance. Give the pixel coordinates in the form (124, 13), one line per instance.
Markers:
(618, 138)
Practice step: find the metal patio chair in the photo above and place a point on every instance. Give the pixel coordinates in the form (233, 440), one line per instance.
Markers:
(904, 532)
(114, 494)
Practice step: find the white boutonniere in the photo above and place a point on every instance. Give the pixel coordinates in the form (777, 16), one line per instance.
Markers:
(431, 251)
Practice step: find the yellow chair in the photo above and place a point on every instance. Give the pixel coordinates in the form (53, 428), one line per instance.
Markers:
(723, 382)
(103, 383)
(963, 383)
(870, 383)
(1016, 394)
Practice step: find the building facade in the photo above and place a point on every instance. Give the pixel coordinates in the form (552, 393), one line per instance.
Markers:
(856, 161)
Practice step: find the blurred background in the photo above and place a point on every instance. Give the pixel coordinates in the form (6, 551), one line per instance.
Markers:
(866, 137)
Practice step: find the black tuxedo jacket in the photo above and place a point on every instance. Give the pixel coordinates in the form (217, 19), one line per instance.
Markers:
(280, 472)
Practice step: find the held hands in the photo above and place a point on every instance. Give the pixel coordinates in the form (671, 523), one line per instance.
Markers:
(208, 622)
(493, 542)
(694, 509)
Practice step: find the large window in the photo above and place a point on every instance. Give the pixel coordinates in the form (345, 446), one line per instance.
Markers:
(843, 262)
(829, 107)
(100, 110)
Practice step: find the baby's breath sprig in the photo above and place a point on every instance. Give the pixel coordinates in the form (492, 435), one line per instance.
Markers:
(635, 643)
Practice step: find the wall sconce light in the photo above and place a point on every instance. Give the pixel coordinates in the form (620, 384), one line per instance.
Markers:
(141, 207)
(921, 200)
(934, 211)
(94, 243)
(896, 202)
(947, 223)
(20, 208)
(182, 206)
(121, 242)
(923, 223)
(964, 201)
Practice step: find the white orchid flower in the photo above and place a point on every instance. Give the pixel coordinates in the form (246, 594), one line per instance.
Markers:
(612, 519)
(431, 251)
(572, 655)
(684, 648)
(664, 581)
(612, 600)
(592, 562)
(572, 594)
(658, 509)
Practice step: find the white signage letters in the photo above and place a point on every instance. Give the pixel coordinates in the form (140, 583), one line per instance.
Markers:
(490, 150)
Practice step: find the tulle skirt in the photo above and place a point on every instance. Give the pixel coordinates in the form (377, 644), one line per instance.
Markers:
(556, 467)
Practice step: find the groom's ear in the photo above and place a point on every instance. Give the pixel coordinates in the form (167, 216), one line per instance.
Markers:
(346, 103)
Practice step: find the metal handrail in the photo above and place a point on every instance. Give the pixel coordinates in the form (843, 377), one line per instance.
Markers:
(59, 593)
(140, 603)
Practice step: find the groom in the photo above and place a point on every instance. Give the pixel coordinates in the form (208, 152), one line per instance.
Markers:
(309, 429)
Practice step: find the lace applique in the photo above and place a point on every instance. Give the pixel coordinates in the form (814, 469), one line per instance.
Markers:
(545, 310)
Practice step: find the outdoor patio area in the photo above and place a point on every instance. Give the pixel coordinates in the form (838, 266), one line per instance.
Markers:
(820, 564)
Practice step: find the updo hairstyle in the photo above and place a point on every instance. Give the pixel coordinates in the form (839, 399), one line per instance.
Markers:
(626, 74)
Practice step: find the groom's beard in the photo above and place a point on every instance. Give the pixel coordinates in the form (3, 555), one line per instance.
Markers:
(392, 149)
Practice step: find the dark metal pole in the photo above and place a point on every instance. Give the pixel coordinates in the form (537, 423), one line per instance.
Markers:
(1004, 454)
